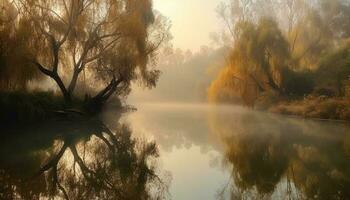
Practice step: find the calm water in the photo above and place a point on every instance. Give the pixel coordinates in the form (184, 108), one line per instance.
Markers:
(178, 151)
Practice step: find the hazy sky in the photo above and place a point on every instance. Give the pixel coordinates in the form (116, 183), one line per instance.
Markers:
(192, 21)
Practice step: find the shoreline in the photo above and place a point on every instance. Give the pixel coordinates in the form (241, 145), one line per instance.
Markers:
(309, 118)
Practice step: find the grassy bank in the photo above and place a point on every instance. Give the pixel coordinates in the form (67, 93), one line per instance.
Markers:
(19, 108)
(315, 107)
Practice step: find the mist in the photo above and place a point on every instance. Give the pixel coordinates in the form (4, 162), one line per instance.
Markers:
(175, 99)
(185, 76)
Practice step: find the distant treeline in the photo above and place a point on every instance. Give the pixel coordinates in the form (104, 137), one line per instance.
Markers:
(185, 76)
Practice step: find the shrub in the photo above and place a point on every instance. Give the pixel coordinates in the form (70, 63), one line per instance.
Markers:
(297, 84)
(316, 107)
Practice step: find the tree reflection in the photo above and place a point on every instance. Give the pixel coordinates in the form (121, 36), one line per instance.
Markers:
(257, 162)
(321, 171)
(271, 157)
(81, 162)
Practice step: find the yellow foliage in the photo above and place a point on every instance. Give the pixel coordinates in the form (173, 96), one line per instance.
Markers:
(258, 57)
(222, 89)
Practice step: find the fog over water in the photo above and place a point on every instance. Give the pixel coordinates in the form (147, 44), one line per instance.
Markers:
(175, 99)
(231, 150)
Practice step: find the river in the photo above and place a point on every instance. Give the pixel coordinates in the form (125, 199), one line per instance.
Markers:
(189, 151)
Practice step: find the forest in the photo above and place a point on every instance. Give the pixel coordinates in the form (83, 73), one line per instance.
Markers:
(289, 57)
(285, 57)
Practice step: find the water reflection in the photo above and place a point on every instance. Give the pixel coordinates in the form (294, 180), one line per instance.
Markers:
(264, 156)
(79, 160)
(211, 152)
(279, 158)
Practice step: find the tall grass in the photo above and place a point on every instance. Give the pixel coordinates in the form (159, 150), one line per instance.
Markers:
(316, 107)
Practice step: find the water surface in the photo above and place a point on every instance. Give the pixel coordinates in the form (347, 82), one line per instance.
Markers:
(224, 152)
(177, 151)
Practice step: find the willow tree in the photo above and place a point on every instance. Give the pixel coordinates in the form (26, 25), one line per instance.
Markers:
(275, 46)
(256, 62)
(15, 72)
(111, 42)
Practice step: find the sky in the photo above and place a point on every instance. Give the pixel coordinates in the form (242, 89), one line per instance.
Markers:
(192, 21)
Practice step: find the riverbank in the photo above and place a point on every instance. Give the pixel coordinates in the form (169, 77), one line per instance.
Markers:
(20, 108)
(315, 107)
(26, 108)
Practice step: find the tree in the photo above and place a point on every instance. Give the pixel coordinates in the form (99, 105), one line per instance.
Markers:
(336, 15)
(15, 73)
(105, 164)
(334, 70)
(276, 47)
(270, 156)
(110, 42)
(257, 60)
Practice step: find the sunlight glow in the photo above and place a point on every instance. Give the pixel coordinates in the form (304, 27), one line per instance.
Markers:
(192, 21)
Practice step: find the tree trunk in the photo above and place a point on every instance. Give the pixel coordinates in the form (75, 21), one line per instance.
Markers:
(54, 75)
(66, 94)
(271, 82)
(73, 82)
(96, 103)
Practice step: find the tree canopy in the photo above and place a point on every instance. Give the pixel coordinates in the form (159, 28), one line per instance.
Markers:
(111, 42)
(276, 46)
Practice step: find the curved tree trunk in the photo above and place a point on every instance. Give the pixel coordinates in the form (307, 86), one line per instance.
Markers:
(54, 75)
(66, 94)
(95, 103)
